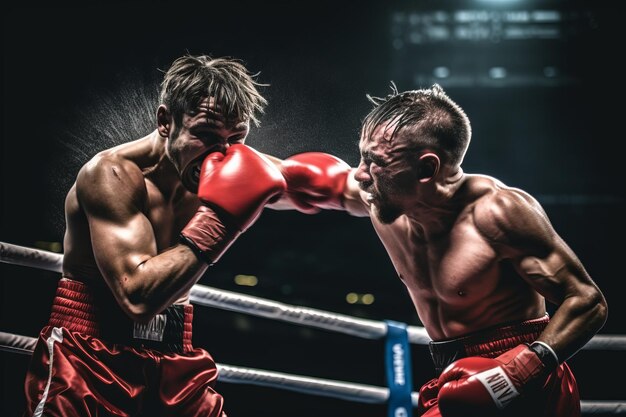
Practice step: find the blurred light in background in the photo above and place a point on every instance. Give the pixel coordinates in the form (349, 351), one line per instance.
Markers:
(246, 280)
(356, 298)
(497, 72)
(441, 72)
(487, 44)
(49, 246)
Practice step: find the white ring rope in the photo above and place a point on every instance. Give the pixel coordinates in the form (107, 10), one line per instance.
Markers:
(238, 375)
(232, 301)
(368, 329)
(308, 385)
(228, 300)
(34, 258)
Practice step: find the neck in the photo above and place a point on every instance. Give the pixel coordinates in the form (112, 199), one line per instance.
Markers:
(161, 170)
(438, 204)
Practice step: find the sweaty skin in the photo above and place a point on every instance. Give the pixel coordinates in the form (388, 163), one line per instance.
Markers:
(479, 258)
(128, 206)
(472, 252)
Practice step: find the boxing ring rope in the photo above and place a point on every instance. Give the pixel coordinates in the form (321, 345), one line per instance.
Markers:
(232, 301)
(233, 374)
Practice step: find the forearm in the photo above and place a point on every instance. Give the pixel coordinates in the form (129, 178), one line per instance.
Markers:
(160, 281)
(577, 319)
(556, 273)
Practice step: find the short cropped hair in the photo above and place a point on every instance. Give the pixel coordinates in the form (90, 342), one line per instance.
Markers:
(434, 120)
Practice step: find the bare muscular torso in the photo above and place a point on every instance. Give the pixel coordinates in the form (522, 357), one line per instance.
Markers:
(166, 205)
(459, 281)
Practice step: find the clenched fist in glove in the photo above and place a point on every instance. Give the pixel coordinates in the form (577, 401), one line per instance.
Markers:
(482, 386)
(233, 188)
(315, 181)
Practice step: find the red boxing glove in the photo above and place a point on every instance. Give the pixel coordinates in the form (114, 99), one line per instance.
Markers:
(427, 397)
(233, 188)
(482, 386)
(315, 181)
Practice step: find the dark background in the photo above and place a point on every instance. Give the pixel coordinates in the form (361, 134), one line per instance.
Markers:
(541, 82)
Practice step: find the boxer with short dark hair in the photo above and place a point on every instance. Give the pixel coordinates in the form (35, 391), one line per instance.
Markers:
(479, 259)
(144, 220)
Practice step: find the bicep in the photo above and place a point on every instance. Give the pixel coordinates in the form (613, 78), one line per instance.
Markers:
(121, 244)
(122, 237)
(522, 230)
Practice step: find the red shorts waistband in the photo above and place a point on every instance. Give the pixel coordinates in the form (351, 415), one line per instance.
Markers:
(76, 308)
(487, 343)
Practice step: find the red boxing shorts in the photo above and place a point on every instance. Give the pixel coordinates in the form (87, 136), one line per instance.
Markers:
(559, 396)
(85, 366)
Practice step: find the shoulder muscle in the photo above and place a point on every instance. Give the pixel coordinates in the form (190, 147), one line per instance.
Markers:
(109, 186)
(512, 218)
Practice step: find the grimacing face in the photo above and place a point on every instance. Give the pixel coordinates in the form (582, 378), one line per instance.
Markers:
(386, 172)
(200, 134)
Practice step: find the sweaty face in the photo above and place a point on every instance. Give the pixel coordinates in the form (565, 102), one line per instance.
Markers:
(386, 173)
(202, 132)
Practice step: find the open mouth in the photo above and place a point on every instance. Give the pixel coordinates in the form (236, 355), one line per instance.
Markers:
(371, 196)
(191, 174)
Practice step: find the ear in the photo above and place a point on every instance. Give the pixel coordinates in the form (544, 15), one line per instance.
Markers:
(164, 121)
(427, 166)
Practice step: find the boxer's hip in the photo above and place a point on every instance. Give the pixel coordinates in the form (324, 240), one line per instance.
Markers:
(488, 343)
(77, 308)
